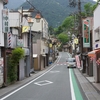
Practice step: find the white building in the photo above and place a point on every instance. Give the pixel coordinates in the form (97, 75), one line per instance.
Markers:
(2, 2)
(1, 33)
(96, 29)
(40, 44)
(95, 54)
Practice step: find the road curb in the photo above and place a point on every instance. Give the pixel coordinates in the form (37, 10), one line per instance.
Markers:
(87, 86)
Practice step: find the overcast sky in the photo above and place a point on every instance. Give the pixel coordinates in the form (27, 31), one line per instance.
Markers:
(94, 0)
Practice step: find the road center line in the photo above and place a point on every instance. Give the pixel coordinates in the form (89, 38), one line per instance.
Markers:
(68, 54)
(59, 59)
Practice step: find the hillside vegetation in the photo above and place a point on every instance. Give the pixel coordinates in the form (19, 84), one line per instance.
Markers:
(55, 11)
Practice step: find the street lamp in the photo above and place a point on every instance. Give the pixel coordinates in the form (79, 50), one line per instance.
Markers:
(38, 17)
(30, 22)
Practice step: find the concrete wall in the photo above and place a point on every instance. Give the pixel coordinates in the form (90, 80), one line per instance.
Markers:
(96, 28)
(14, 19)
(41, 26)
(40, 49)
(21, 69)
(25, 40)
(1, 41)
(36, 50)
(97, 17)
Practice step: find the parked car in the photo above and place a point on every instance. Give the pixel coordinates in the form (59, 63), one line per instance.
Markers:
(71, 63)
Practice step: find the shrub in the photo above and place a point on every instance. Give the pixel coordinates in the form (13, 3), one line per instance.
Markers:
(13, 60)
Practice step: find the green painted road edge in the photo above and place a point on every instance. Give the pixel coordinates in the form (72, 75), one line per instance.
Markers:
(77, 92)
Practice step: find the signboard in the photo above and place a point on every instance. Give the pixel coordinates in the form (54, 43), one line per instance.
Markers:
(73, 46)
(50, 45)
(1, 62)
(25, 29)
(20, 43)
(1, 71)
(76, 41)
(86, 33)
(77, 61)
(5, 19)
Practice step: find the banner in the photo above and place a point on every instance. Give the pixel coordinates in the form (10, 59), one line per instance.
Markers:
(1, 71)
(86, 34)
(78, 61)
(76, 41)
(50, 45)
(20, 43)
(5, 20)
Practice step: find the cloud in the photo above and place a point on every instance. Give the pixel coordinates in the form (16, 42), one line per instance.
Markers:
(95, 0)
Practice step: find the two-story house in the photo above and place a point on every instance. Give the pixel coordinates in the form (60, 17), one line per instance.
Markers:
(40, 43)
(17, 37)
(14, 36)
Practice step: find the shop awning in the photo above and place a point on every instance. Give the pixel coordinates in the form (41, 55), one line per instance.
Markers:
(34, 55)
(92, 53)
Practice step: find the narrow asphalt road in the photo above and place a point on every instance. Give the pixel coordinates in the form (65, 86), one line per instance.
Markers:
(58, 83)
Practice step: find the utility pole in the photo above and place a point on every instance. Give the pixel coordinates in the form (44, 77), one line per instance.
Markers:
(83, 61)
(21, 22)
(73, 4)
(80, 36)
(80, 27)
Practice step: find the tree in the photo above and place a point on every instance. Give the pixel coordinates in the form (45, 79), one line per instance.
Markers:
(58, 30)
(51, 30)
(68, 23)
(94, 6)
(71, 22)
(63, 38)
(88, 9)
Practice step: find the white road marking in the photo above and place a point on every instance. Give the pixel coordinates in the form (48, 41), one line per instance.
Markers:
(71, 86)
(26, 84)
(69, 54)
(29, 82)
(54, 71)
(62, 64)
(59, 59)
(42, 83)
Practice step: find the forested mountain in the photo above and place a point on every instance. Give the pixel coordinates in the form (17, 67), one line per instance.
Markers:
(55, 11)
